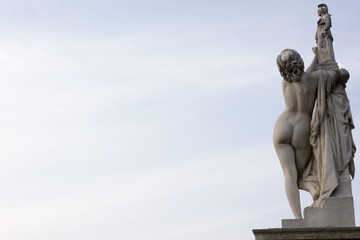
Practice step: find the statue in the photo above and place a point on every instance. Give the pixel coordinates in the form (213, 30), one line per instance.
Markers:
(292, 129)
(312, 137)
(314, 143)
(323, 37)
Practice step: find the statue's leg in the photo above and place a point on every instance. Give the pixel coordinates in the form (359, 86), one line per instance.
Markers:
(286, 156)
(303, 155)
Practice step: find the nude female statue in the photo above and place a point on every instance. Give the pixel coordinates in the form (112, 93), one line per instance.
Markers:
(292, 129)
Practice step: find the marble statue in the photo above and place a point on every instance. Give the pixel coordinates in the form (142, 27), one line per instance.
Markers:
(293, 128)
(312, 137)
(323, 37)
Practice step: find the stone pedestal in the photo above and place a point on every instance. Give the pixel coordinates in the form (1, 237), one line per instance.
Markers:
(337, 212)
(335, 220)
(307, 233)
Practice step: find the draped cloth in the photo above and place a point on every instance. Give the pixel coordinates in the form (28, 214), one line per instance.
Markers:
(331, 138)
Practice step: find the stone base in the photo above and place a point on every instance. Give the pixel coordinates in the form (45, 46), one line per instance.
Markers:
(307, 233)
(337, 212)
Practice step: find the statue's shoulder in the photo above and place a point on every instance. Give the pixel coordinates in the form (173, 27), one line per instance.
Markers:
(311, 77)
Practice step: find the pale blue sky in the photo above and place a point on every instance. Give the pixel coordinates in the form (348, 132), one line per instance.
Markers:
(151, 120)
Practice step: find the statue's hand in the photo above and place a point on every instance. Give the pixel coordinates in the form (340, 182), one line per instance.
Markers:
(314, 49)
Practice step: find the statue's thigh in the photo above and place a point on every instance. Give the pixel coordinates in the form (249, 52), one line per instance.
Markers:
(301, 135)
(302, 147)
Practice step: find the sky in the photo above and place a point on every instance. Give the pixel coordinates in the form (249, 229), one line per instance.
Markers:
(152, 120)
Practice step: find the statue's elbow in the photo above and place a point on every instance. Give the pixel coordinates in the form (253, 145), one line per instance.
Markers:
(344, 75)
